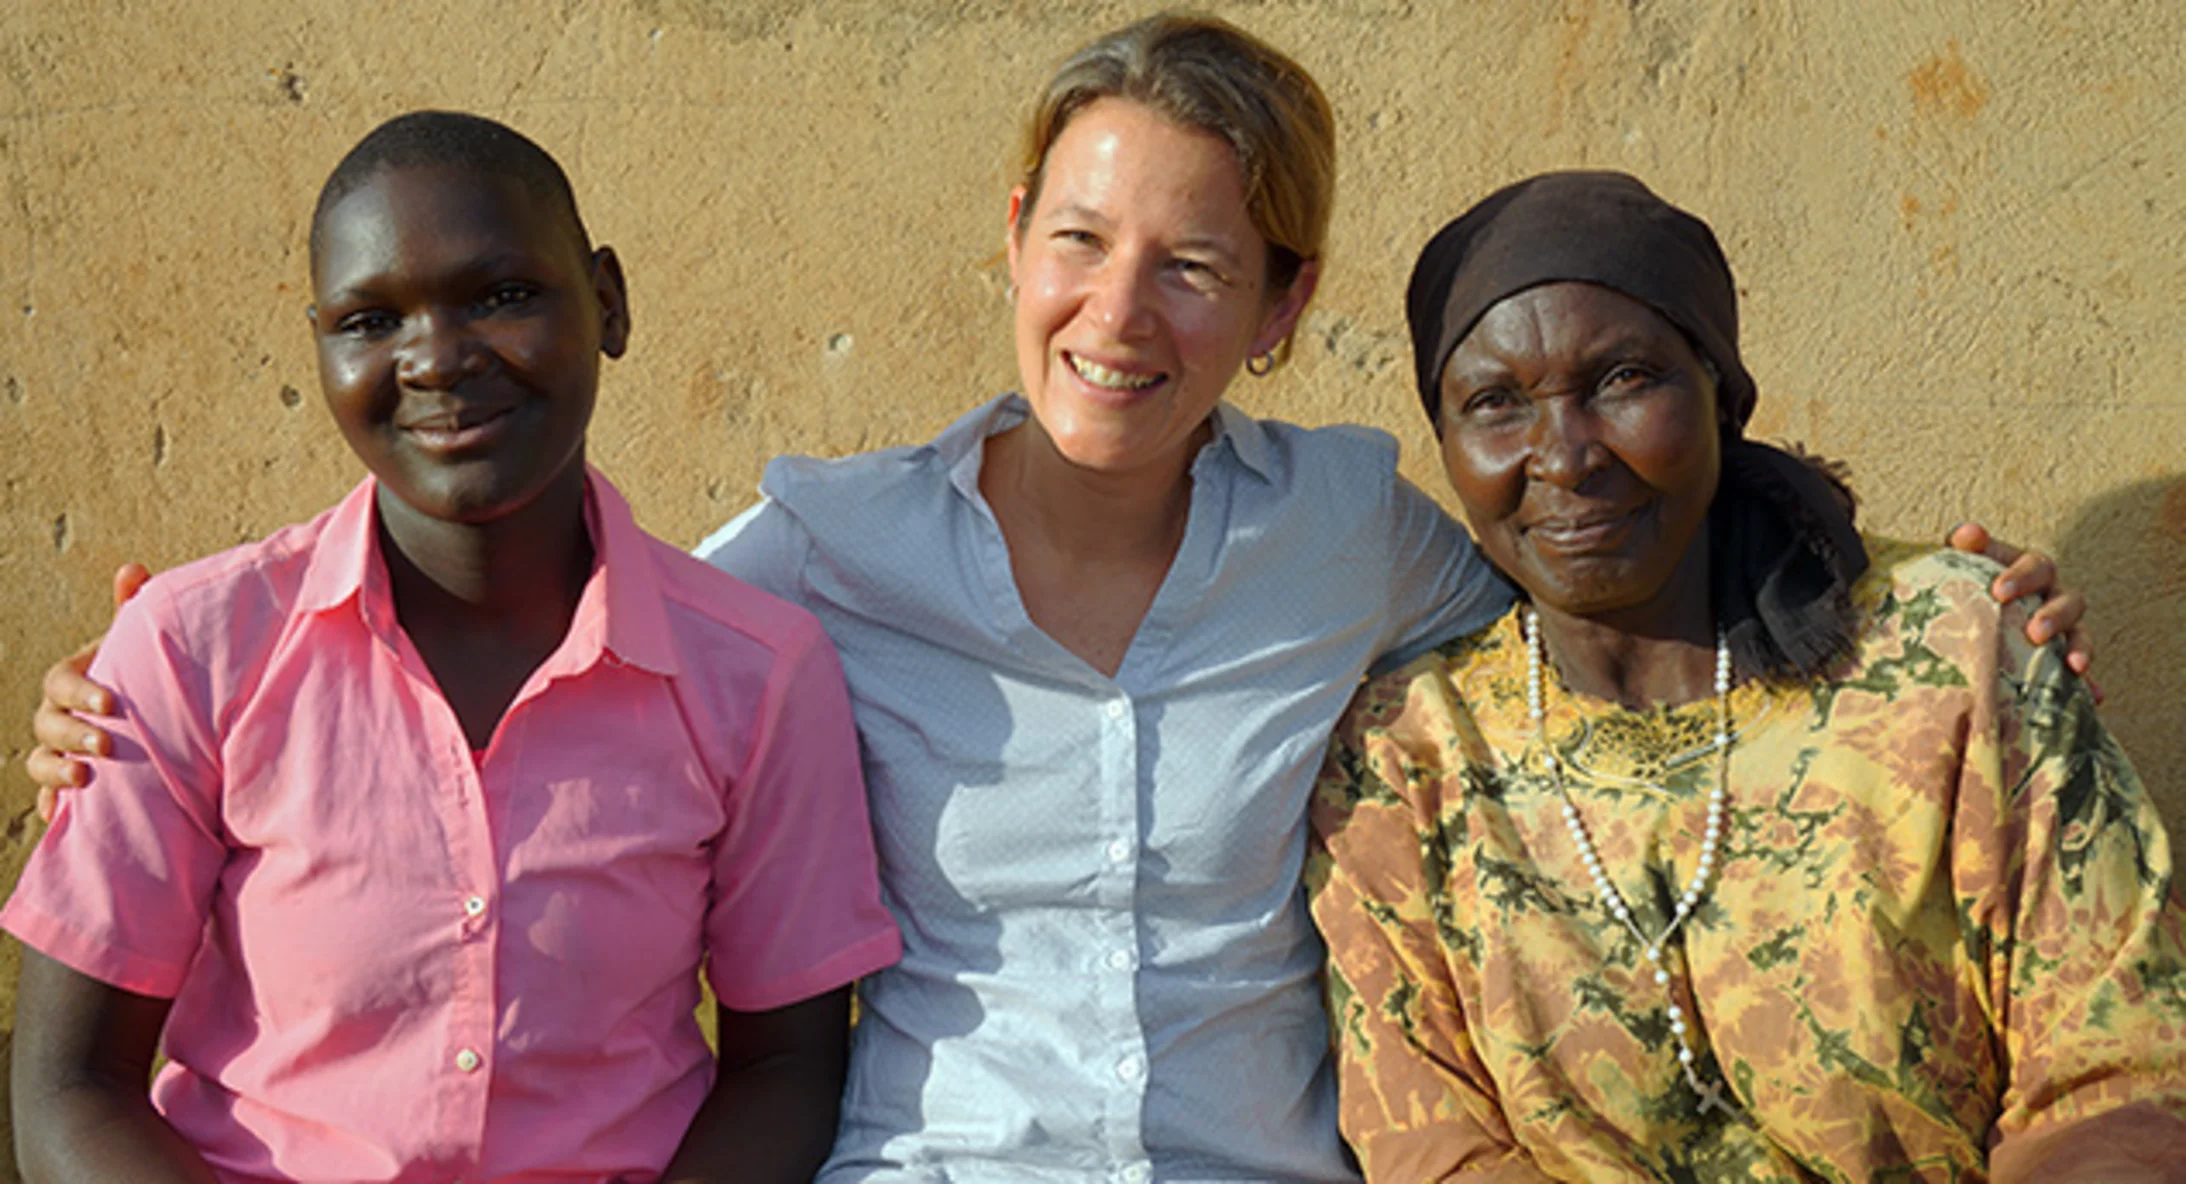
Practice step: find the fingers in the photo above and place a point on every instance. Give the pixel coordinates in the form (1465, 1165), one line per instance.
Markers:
(68, 686)
(2060, 616)
(68, 689)
(128, 578)
(61, 736)
(53, 772)
(1974, 537)
(2032, 573)
(67, 735)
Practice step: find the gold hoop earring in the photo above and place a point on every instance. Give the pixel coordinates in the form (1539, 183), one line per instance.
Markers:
(1260, 365)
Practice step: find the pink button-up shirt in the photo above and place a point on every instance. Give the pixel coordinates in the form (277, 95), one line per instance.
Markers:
(392, 960)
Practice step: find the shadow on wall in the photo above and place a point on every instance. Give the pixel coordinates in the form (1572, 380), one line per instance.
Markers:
(2127, 548)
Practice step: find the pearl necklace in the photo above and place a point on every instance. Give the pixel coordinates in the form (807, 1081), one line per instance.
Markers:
(1710, 1094)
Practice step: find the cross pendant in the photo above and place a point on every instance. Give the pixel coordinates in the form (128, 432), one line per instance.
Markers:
(1711, 1094)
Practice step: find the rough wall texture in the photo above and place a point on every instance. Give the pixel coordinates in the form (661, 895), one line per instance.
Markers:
(1960, 229)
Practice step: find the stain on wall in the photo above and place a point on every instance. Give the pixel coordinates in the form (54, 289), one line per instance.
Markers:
(1958, 231)
(1945, 87)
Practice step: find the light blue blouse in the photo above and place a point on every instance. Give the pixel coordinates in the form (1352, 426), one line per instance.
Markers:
(1108, 970)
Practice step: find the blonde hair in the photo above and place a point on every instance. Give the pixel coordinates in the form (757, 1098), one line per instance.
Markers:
(1207, 74)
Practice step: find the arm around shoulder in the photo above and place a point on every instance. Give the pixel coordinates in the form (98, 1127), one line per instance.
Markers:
(68, 690)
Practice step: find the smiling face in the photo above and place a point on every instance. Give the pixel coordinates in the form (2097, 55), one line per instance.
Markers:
(1142, 287)
(460, 326)
(1579, 430)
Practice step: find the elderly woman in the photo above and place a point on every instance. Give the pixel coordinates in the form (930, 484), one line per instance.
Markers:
(1743, 847)
(1096, 634)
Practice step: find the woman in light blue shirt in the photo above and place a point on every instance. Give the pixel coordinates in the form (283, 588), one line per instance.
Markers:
(1106, 963)
(1096, 635)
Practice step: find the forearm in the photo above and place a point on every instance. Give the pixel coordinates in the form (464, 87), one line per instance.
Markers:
(96, 1131)
(83, 1053)
(771, 1120)
(2140, 1143)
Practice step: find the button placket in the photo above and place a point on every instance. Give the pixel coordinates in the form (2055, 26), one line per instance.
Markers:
(1115, 856)
(472, 885)
(1119, 813)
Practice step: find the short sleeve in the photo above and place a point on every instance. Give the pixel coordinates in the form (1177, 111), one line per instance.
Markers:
(2070, 887)
(1416, 1101)
(764, 546)
(1439, 586)
(120, 886)
(796, 907)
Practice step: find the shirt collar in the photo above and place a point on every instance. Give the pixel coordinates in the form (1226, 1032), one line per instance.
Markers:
(621, 611)
(1246, 437)
(346, 554)
(961, 445)
(628, 582)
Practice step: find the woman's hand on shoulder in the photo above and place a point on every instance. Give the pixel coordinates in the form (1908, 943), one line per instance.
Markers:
(68, 690)
(2032, 573)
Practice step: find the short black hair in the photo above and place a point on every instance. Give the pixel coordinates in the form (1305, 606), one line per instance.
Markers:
(450, 139)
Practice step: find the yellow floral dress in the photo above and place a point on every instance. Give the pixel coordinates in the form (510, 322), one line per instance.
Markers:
(1941, 910)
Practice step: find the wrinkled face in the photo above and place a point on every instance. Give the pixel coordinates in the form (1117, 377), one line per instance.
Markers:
(1579, 430)
(1142, 286)
(460, 327)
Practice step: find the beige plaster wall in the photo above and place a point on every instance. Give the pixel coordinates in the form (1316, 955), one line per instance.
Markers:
(1960, 226)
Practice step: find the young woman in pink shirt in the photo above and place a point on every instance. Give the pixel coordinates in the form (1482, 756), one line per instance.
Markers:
(423, 817)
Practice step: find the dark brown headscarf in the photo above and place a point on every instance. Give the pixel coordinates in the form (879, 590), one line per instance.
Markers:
(1784, 552)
